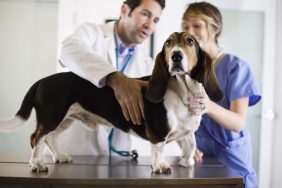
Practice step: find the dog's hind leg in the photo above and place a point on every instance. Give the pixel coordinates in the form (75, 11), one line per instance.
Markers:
(188, 147)
(37, 143)
(51, 142)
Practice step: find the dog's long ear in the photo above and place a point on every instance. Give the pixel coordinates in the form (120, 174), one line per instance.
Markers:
(159, 80)
(204, 73)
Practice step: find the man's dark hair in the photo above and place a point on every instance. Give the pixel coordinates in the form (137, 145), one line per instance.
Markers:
(132, 4)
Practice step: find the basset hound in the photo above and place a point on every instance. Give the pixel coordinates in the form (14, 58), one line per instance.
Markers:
(180, 70)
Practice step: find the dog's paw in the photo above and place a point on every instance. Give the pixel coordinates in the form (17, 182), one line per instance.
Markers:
(186, 162)
(37, 166)
(161, 168)
(62, 158)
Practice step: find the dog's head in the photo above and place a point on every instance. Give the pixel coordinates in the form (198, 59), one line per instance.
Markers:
(182, 54)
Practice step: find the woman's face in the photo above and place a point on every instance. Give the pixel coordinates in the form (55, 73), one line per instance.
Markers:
(198, 28)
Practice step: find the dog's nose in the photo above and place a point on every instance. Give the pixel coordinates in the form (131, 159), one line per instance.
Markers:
(177, 57)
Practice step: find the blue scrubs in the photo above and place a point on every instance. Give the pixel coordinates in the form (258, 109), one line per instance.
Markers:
(231, 148)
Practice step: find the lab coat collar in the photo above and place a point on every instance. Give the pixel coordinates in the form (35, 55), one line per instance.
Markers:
(108, 30)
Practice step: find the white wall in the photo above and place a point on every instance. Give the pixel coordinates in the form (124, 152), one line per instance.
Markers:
(28, 44)
(277, 149)
(74, 12)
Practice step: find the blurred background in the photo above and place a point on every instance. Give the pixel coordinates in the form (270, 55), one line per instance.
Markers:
(31, 31)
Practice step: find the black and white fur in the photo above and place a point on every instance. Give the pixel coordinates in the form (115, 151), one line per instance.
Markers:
(180, 70)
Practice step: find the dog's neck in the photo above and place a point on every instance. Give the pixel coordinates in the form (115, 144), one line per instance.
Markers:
(184, 87)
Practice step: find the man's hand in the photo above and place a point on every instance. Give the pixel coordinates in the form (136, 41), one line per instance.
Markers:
(128, 94)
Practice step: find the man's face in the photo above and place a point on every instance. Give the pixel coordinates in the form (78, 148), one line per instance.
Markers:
(139, 24)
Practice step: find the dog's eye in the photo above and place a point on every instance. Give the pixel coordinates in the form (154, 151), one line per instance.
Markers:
(190, 42)
(168, 42)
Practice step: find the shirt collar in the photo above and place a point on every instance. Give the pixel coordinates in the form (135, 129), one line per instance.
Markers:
(121, 47)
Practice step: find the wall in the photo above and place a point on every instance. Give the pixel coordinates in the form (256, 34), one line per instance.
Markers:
(277, 149)
(28, 44)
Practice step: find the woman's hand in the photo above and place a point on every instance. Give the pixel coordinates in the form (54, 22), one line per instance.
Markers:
(198, 157)
(199, 103)
(232, 119)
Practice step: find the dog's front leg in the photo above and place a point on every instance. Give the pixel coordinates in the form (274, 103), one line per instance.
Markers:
(188, 147)
(183, 89)
(159, 165)
(193, 85)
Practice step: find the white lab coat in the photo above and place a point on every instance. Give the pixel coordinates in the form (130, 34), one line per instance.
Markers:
(90, 53)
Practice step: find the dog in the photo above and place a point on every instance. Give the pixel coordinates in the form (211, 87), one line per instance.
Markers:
(180, 70)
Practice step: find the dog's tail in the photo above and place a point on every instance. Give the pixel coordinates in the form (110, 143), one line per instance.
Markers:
(10, 124)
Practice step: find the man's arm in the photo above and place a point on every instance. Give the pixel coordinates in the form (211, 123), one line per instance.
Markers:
(77, 54)
(79, 57)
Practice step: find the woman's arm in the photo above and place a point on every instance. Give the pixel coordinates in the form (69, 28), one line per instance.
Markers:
(232, 119)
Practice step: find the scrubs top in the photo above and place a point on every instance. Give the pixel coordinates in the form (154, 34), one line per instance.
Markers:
(233, 149)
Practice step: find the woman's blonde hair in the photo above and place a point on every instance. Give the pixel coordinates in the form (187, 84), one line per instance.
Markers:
(207, 12)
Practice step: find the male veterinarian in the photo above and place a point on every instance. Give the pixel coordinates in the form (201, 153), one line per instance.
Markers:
(109, 55)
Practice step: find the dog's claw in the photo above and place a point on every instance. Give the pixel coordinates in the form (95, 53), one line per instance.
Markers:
(167, 171)
(162, 171)
(62, 158)
(162, 168)
(158, 171)
(186, 162)
(38, 166)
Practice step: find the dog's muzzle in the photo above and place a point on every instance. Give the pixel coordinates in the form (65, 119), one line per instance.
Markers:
(177, 60)
(177, 57)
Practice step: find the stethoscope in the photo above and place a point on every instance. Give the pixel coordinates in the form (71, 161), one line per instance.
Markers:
(127, 61)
